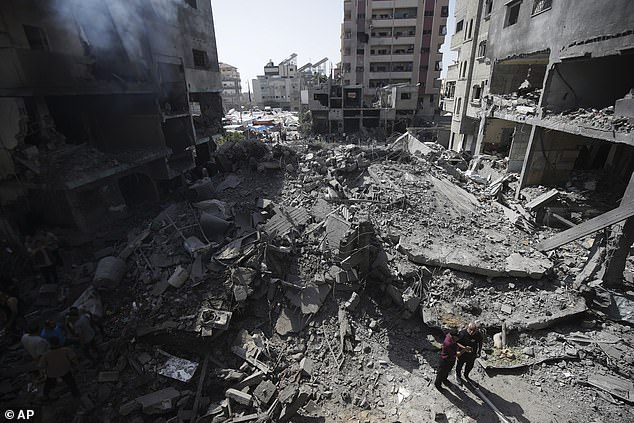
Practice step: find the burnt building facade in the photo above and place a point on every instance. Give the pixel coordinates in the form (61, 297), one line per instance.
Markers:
(103, 104)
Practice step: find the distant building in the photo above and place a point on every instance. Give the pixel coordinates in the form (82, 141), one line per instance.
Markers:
(468, 79)
(279, 86)
(395, 43)
(102, 106)
(231, 87)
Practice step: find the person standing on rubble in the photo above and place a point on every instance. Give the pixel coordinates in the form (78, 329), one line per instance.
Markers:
(44, 251)
(58, 362)
(448, 353)
(81, 327)
(33, 343)
(472, 339)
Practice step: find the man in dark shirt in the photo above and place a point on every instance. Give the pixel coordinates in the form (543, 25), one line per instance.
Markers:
(471, 339)
(448, 354)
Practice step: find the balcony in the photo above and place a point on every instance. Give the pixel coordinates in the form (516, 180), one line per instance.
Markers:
(389, 4)
(390, 75)
(388, 41)
(392, 57)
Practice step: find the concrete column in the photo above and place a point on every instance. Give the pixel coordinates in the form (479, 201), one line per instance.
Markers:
(528, 158)
(619, 244)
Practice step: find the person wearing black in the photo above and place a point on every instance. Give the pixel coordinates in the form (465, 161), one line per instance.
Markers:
(471, 339)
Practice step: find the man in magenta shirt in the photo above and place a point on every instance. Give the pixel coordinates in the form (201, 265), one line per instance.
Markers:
(448, 354)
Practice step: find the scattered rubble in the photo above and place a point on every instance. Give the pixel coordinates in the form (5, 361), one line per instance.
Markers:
(261, 298)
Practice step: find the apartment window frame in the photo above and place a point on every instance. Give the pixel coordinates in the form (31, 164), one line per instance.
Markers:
(459, 25)
(482, 49)
(444, 11)
(442, 30)
(541, 6)
(488, 8)
(406, 96)
(512, 13)
(36, 37)
(476, 93)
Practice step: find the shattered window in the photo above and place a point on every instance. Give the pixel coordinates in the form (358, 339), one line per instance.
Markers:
(541, 5)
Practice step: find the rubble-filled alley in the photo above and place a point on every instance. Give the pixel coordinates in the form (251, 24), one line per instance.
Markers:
(305, 281)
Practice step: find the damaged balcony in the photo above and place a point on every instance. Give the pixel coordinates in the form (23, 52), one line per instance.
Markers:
(516, 87)
(601, 109)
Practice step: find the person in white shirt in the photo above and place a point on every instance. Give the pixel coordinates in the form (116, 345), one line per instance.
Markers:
(81, 327)
(33, 343)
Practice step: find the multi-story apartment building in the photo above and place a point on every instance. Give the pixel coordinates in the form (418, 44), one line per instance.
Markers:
(388, 43)
(231, 87)
(102, 104)
(279, 86)
(558, 98)
(467, 80)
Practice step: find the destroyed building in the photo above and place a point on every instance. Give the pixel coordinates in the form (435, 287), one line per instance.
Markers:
(313, 281)
(546, 88)
(104, 104)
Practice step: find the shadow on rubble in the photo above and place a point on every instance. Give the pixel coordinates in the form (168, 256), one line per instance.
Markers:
(470, 407)
(507, 408)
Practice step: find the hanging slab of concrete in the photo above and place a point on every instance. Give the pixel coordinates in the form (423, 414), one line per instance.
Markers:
(470, 260)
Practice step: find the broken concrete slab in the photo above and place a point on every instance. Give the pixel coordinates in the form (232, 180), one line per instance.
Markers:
(264, 392)
(312, 297)
(573, 310)
(238, 396)
(158, 402)
(453, 197)
(473, 260)
(289, 321)
(618, 387)
(179, 277)
(307, 365)
(520, 266)
(290, 410)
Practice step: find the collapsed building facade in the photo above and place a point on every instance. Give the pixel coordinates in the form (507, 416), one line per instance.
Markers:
(104, 105)
(532, 84)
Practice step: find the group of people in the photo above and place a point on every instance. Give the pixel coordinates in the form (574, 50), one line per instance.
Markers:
(53, 347)
(462, 347)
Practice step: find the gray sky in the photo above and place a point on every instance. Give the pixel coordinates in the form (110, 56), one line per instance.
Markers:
(250, 32)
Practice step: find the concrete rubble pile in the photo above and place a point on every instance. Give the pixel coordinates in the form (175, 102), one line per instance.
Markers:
(602, 119)
(273, 289)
